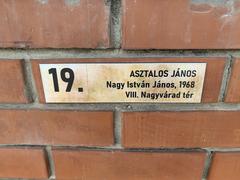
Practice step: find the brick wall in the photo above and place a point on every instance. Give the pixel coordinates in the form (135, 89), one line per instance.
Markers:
(130, 141)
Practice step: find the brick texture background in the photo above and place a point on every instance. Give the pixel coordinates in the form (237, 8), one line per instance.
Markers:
(132, 141)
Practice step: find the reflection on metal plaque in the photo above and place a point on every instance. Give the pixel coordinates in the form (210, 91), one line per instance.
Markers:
(123, 82)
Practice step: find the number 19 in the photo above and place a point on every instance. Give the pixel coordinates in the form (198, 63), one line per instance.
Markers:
(67, 75)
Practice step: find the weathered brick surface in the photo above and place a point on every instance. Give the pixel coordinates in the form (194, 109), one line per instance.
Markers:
(225, 166)
(54, 23)
(56, 127)
(213, 78)
(181, 24)
(127, 165)
(12, 88)
(233, 91)
(23, 163)
(181, 129)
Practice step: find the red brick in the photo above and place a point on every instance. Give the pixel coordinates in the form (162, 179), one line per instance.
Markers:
(213, 78)
(181, 129)
(233, 92)
(23, 163)
(54, 23)
(12, 88)
(225, 166)
(127, 165)
(56, 127)
(181, 24)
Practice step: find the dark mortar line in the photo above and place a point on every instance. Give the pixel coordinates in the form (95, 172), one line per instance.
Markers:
(136, 107)
(207, 165)
(112, 149)
(115, 23)
(117, 128)
(50, 163)
(112, 53)
(116, 148)
(223, 150)
(27, 82)
(30, 82)
(226, 78)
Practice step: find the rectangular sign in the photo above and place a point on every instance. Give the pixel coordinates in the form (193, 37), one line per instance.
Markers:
(123, 82)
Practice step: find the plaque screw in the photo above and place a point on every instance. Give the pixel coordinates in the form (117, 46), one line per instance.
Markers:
(129, 107)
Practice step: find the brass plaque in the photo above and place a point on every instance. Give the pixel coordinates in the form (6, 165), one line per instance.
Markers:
(123, 82)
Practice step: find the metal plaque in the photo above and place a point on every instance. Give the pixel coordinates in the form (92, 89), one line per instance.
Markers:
(123, 82)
